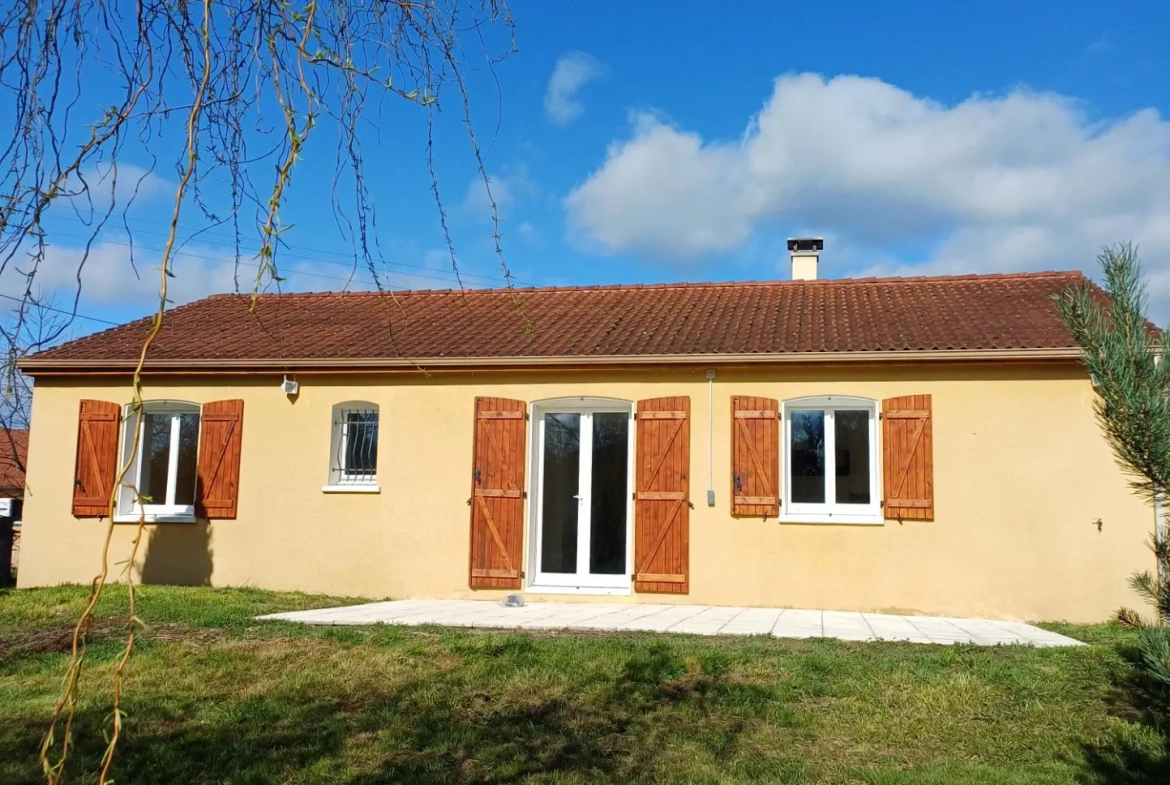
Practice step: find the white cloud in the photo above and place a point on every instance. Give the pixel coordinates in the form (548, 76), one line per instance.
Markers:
(1022, 181)
(507, 189)
(108, 276)
(478, 205)
(530, 235)
(572, 72)
(115, 184)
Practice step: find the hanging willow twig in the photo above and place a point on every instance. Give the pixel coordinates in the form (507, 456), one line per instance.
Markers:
(230, 69)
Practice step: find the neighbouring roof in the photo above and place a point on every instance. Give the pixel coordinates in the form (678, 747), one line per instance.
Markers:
(961, 316)
(13, 457)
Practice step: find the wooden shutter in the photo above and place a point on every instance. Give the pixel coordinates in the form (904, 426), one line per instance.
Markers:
(662, 496)
(96, 468)
(907, 458)
(755, 456)
(497, 494)
(221, 426)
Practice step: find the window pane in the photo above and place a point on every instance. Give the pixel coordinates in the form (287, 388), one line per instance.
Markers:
(188, 458)
(851, 429)
(361, 444)
(807, 460)
(559, 502)
(126, 498)
(610, 494)
(156, 457)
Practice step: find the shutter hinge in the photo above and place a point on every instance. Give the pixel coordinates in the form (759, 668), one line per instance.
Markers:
(882, 503)
(523, 494)
(881, 415)
(522, 575)
(525, 420)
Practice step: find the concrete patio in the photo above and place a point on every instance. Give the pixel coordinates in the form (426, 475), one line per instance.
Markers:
(694, 619)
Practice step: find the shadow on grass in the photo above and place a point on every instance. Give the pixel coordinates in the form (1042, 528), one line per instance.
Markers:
(438, 729)
(1125, 759)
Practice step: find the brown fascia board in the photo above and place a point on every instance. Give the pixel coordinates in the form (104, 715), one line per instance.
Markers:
(34, 367)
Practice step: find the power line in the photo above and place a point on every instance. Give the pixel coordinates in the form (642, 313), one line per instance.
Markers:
(288, 271)
(79, 315)
(450, 276)
(72, 314)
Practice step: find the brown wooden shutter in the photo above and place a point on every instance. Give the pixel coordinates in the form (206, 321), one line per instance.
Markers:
(755, 456)
(497, 494)
(908, 458)
(96, 469)
(662, 496)
(221, 426)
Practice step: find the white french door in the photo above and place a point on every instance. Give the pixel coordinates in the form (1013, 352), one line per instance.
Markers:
(581, 504)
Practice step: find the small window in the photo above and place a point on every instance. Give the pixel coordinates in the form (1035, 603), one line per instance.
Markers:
(830, 460)
(161, 445)
(354, 450)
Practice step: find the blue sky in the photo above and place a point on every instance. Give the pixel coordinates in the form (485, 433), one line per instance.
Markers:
(663, 141)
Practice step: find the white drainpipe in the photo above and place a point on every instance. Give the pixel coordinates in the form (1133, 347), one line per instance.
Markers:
(710, 437)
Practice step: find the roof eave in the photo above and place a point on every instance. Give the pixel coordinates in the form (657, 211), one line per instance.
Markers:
(35, 367)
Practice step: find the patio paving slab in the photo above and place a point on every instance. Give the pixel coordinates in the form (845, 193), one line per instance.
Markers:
(692, 619)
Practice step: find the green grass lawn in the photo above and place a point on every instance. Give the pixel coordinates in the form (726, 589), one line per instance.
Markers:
(214, 697)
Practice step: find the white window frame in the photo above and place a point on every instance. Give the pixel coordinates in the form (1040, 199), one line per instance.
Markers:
(128, 508)
(582, 582)
(832, 511)
(341, 480)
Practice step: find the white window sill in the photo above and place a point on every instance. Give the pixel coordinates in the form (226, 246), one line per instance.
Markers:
(580, 590)
(820, 518)
(154, 517)
(355, 488)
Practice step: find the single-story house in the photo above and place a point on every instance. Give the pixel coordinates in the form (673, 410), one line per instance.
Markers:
(901, 444)
(13, 456)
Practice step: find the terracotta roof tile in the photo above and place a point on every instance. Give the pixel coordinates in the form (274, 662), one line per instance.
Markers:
(975, 312)
(13, 458)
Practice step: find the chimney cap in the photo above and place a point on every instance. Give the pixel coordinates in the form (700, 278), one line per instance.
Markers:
(806, 244)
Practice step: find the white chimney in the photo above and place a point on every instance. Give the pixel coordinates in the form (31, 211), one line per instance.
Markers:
(806, 254)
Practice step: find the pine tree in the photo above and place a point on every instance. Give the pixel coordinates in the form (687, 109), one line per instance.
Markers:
(1129, 364)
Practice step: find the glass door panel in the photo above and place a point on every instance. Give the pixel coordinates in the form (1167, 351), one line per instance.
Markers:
(584, 500)
(609, 495)
(560, 496)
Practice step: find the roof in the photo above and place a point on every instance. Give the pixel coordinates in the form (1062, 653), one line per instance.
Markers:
(13, 458)
(963, 316)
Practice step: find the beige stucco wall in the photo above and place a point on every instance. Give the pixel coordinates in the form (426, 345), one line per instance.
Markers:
(1021, 474)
